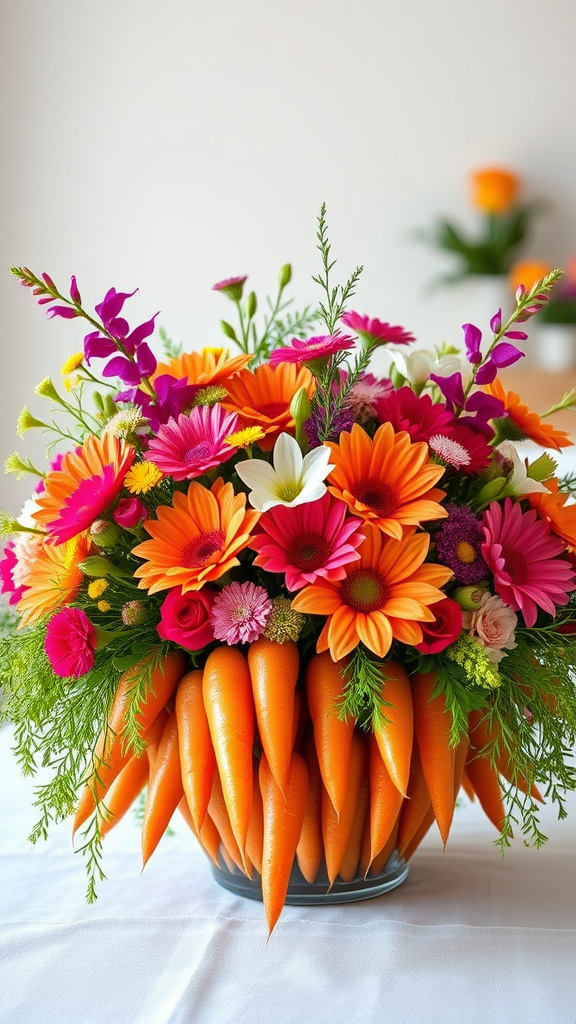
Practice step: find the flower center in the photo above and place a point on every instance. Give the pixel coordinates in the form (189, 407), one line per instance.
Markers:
(197, 453)
(465, 552)
(450, 451)
(199, 551)
(309, 551)
(377, 495)
(364, 590)
(289, 490)
(515, 565)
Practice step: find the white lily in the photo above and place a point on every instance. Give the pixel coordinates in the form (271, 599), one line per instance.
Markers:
(518, 483)
(292, 480)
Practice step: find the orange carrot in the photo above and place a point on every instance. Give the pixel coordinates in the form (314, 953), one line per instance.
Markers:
(227, 694)
(349, 866)
(425, 825)
(196, 751)
(333, 735)
(483, 735)
(165, 789)
(381, 859)
(432, 724)
(385, 800)
(218, 812)
(107, 765)
(416, 805)
(396, 734)
(283, 818)
(467, 786)
(124, 790)
(274, 672)
(310, 849)
(460, 755)
(337, 828)
(255, 837)
(486, 785)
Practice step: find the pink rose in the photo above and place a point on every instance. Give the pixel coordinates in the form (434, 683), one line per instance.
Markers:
(494, 625)
(129, 512)
(445, 630)
(186, 618)
(70, 643)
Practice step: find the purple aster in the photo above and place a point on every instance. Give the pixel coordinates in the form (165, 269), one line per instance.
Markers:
(459, 545)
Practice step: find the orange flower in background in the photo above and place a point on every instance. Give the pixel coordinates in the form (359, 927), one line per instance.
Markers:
(210, 366)
(262, 398)
(529, 423)
(553, 508)
(494, 189)
(383, 598)
(196, 539)
(53, 579)
(528, 272)
(387, 480)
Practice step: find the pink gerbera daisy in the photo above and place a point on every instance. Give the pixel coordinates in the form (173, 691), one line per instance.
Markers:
(462, 448)
(311, 350)
(189, 446)
(239, 613)
(524, 558)
(308, 541)
(377, 332)
(418, 415)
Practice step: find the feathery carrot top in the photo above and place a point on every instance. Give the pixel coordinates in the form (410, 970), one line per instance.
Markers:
(262, 398)
(528, 423)
(494, 189)
(209, 366)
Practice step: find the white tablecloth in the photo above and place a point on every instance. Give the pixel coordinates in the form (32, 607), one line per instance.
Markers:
(467, 939)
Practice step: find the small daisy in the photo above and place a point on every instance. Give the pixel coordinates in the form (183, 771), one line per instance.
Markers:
(142, 477)
(239, 613)
(73, 362)
(246, 437)
(459, 545)
(462, 448)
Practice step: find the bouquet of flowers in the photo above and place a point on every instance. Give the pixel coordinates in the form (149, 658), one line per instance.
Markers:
(300, 603)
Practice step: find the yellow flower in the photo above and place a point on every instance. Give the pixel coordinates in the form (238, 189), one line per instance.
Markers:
(71, 382)
(142, 477)
(97, 588)
(244, 438)
(103, 606)
(72, 363)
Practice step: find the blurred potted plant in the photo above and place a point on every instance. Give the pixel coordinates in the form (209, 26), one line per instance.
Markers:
(555, 342)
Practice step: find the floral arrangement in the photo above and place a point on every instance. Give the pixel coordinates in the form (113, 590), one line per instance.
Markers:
(503, 227)
(301, 603)
(561, 307)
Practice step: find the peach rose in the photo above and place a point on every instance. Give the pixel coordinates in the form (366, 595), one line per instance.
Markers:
(494, 625)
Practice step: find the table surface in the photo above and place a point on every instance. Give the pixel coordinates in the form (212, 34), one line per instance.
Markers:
(469, 937)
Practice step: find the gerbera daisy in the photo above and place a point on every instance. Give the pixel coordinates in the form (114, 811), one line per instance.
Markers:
(307, 542)
(551, 506)
(196, 539)
(459, 545)
(187, 447)
(524, 558)
(240, 613)
(528, 423)
(88, 481)
(381, 599)
(461, 448)
(262, 398)
(387, 479)
(315, 350)
(54, 578)
(417, 414)
(210, 366)
(377, 332)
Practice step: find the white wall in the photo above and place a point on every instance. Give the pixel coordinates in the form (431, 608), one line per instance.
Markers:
(167, 145)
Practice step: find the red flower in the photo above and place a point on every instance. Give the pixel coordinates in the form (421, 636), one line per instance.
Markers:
(445, 629)
(186, 618)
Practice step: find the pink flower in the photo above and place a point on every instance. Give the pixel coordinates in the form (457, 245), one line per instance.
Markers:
(240, 613)
(189, 446)
(524, 558)
(185, 618)
(129, 512)
(309, 541)
(70, 643)
(311, 350)
(231, 286)
(418, 415)
(377, 332)
(364, 395)
(462, 448)
(494, 625)
(445, 629)
(8, 564)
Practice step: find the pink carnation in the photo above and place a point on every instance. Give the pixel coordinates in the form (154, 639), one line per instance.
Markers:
(70, 643)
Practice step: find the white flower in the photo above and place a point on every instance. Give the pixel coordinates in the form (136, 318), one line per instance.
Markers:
(518, 482)
(293, 480)
(417, 365)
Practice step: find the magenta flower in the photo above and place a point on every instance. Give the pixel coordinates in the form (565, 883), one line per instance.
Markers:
(459, 545)
(172, 396)
(418, 415)
(7, 564)
(462, 448)
(189, 446)
(231, 286)
(129, 512)
(308, 541)
(312, 350)
(70, 643)
(525, 559)
(185, 618)
(377, 332)
(240, 613)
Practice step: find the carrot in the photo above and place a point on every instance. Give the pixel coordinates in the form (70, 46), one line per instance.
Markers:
(484, 780)
(385, 800)
(274, 671)
(460, 755)
(395, 735)
(416, 804)
(227, 694)
(255, 836)
(283, 818)
(349, 866)
(484, 735)
(381, 859)
(154, 734)
(432, 724)
(218, 812)
(333, 735)
(165, 789)
(467, 786)
(124, 790)
(337, 828)
(196, 751)
(425, 825)
(310, 849)
(108, 761)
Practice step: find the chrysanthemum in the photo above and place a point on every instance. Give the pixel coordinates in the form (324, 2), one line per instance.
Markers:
(291, 480)
(524, 558)
(311, 350)
(417, 414)
(240, 613)
(382, 598)
(311, 541)
(461, 448)
(142, 477)
(386, 480)
(70, 643)
(377, 332)
(459, 545)
(210, 366)
(262, 398)
(53, 579)
(88, 481)
(551, 506)
(196, 539)
(528, 423)
(190, 445)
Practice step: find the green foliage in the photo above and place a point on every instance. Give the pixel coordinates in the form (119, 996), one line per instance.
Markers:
(363, 677)
(171, 349)
(337, 295)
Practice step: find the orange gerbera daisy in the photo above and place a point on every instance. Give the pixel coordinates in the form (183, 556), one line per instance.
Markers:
(85, 485)
(196, 539)
(210, 366)
(388, 479)
(553, 508)
(529, 423)
(382, 598)
(262, 398)
(53, 579)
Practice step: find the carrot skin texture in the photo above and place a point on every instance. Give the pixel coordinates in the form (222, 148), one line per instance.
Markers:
(483, 735)
(421, 831)
(333, 735)
(124, 790)
(255, 837)
(310, 849)
(432, 724)
(351, 859)
(416, 805)
(385, 800)
(395, 736)
(337, 828)
(485, 783)
(196, 751)
(467, 786)
(218, 813)
(274, 672)
(283, 818)
(165, 789)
